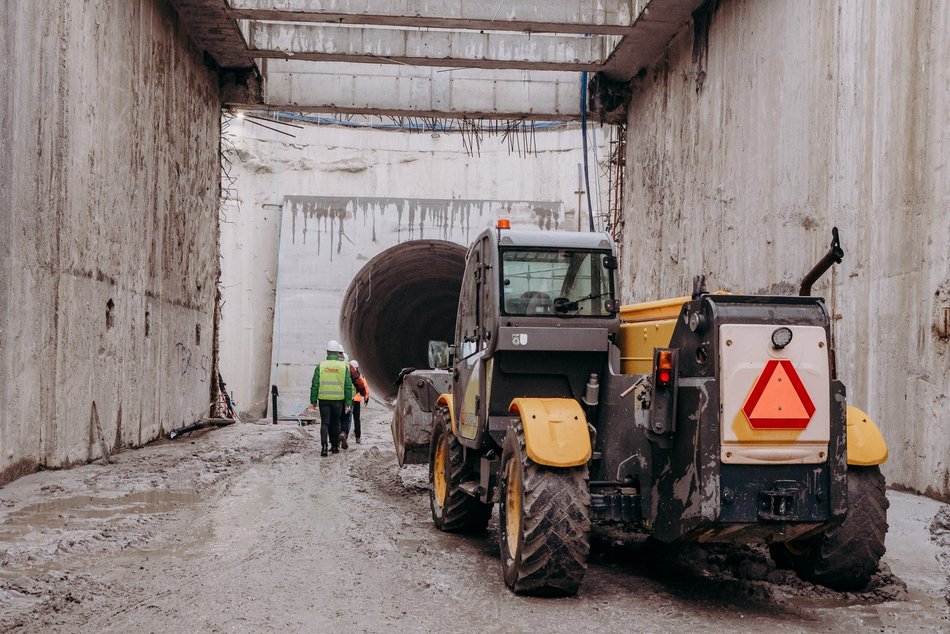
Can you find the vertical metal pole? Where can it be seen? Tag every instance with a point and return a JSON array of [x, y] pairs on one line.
[[273, 409], [580, 193]]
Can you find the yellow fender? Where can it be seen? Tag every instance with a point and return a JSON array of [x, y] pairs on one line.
[[866, 446], [555, 430], [446, 399]]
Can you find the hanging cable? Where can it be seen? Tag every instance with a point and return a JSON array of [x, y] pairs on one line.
[[590, 207]]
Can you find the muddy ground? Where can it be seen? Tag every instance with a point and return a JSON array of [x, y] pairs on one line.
[[247, 529]]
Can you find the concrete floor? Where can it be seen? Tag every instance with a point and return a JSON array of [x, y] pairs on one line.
[[246, 528]]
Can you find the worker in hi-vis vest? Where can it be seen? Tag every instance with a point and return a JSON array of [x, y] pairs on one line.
[[332, 392]]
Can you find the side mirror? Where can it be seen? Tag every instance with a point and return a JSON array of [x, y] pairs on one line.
[[438, 355]]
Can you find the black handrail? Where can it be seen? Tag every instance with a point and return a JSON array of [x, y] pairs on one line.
[[834, 256]]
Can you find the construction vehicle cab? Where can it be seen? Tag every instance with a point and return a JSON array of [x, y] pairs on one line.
[[517, 294], [709, 417]]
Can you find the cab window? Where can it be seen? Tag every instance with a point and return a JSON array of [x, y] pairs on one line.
[[556, 283]]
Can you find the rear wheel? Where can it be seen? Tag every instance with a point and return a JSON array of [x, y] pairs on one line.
[[543, 523], [844, 557], [453, 510]]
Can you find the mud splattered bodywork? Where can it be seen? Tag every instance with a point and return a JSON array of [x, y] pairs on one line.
[[412, 418], [678, 481]]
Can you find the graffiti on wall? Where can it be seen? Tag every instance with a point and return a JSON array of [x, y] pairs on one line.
[[187, 362]]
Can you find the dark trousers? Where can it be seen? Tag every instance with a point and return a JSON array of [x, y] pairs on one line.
[[356, 418], [345, 419], [353, 416], [330, 412]]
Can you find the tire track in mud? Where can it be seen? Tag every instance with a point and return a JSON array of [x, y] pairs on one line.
[[381, 470]]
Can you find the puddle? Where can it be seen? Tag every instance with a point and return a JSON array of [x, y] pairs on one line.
[[60, 513]]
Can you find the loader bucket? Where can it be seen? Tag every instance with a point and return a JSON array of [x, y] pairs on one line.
[[416, 404]]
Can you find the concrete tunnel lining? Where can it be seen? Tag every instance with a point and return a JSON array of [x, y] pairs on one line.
[[403, 298]]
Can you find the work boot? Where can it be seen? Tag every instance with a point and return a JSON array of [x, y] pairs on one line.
[[335, 450], [357, 440], [343, 442], [323, 451]]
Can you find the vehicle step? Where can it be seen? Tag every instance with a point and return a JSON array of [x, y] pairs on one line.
[[471, 488]]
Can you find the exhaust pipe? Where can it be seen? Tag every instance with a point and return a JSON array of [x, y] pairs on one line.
[[834, 255], [403, 298]]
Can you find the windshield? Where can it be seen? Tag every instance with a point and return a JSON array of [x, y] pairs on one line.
[[562, 282]]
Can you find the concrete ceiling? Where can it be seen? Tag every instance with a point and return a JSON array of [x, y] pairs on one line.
[[507, 59]]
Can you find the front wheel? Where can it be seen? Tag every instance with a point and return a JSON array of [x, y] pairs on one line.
[[844, 557], [453, 510], [543, 523]]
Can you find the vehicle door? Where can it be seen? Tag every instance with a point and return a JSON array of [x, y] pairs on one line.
[[471, 343]]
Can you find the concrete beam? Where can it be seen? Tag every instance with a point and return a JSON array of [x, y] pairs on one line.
[[550, 16], [397, 90], [656, 25], [468, 49], [214, 30]]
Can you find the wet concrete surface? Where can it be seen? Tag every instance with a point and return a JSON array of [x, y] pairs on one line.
[[247, 529]]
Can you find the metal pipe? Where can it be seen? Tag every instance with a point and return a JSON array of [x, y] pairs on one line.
[[403, 298], [834, 255]]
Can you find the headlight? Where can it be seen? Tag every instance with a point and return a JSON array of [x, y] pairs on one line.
[[781, 337]]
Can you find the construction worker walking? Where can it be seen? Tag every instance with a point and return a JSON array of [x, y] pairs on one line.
[[331, 391], [360, 393]]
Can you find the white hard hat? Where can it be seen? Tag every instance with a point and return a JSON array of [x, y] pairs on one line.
[[334, 346], [355, 363]]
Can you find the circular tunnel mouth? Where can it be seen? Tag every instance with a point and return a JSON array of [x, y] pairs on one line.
[[403, 298]]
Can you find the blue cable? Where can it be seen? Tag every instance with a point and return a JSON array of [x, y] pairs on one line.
[[590, 206]]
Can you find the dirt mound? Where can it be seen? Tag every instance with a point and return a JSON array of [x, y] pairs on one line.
[[940, 534], [380, 469], [737, 574]]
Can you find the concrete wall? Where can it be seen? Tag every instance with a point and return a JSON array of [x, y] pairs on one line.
[[342, 196], [109, 192], [750, 140]]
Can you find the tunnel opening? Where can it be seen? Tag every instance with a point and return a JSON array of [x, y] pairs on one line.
[[403, 298]]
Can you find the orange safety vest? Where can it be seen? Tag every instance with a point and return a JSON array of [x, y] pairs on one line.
[[357, 385]]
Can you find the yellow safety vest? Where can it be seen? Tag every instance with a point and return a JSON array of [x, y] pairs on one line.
[[332, 378]]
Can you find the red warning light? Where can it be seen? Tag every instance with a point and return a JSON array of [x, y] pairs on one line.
[[778, 399], [664, 367]]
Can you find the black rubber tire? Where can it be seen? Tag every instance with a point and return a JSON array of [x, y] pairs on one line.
[[845, 557], [459, 512], [553, 537]]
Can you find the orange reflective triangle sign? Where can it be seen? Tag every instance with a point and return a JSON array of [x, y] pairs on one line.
[[778, 399]]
